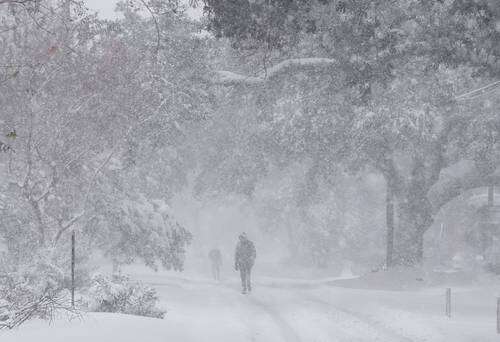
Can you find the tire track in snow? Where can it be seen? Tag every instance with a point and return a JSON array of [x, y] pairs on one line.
[[287, 332], [362, 318]]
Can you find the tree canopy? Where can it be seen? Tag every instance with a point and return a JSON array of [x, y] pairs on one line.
[[382, 93]]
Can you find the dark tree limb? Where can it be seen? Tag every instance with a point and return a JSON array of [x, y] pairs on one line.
[[454, 184]]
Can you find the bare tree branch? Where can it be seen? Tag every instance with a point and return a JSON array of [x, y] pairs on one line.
[[470, 95], [157, 26], [19, 2]]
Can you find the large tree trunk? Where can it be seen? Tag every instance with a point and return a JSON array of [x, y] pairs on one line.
[[414, 218], [409, 248], [419, 199]]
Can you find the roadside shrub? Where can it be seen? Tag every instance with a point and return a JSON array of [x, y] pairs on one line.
[[31, 291], [120, 294]]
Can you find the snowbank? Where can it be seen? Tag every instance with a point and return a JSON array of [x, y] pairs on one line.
[[290, 310], [409, 279]]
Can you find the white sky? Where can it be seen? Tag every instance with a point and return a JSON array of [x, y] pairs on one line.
[[106, 8]]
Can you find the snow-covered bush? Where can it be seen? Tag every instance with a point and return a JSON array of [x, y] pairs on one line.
[[120, 294], [31, 291], [25, 302]]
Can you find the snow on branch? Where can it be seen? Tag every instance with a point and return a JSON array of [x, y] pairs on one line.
[[225, 77], [19, 2], [470, 95]]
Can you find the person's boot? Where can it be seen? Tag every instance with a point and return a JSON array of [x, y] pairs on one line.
[[244, 291]]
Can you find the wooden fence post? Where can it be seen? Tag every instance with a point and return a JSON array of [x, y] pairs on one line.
[[390, 228], [73, 269], [498, 315], [448, 302]]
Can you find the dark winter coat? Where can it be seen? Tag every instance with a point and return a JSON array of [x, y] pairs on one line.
[[245, 254], [216, 256]]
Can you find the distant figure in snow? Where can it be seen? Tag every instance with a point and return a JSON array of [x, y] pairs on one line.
[[216, 259], [243, 261]]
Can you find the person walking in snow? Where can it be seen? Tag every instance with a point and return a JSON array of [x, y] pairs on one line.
[[216, 260], [243, 261]]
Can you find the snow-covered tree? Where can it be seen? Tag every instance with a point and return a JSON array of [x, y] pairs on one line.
[[96, 113], [374, 83]]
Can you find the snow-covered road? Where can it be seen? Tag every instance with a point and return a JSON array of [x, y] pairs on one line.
[[281, 310], [293, 310]]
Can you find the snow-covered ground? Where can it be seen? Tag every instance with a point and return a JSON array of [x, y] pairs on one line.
[[283, 309]]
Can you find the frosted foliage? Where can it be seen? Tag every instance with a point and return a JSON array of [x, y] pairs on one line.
[[78, 128], [120, 294], [35, 290], [350, 143]]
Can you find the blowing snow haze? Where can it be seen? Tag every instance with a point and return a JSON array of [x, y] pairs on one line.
[[236, 170]]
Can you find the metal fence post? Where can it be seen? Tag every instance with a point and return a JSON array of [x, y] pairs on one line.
[[498, 315], [448, 302], [73, 268]]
